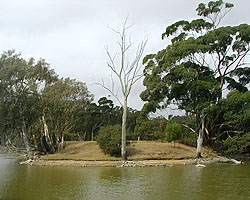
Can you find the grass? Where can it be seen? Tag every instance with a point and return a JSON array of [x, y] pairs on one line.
[[89, 151], [142, 150]]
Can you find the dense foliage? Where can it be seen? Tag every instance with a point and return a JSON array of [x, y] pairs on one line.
[[185, 126], [229, 123], [202, 60], [109, 139], [237, 144], [36, 106], [40, 111], [173, 131], [150, 129]]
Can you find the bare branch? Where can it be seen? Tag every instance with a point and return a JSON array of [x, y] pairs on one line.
[[110, 91], [190, 129], [115, 31], [128, 73], [239, 59]]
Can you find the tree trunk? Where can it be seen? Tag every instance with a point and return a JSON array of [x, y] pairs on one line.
[[62, 142], [200, 138], [92, 134], [26, 141], [57, 143], [47, 137], [124, 129], [2, 139], [2, 130]]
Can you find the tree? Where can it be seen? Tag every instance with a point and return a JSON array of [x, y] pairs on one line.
[[109, 139], [99, 115], [63, 100], [236, 111], [91, 121], [200, 62], [37, 106], [127, 73], [21, 84], [231, 117], [173, 131], [150, 129]]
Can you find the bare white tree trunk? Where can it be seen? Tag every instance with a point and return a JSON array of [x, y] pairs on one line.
[[200, 138], [46, 135], [92, 134], [57, 142], [124, 130], [128, 73], [26, 141], [62, 142]]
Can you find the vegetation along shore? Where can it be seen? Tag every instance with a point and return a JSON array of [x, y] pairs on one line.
[[203, 73], [141, 154]]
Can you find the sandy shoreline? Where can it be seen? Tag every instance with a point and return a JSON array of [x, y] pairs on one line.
[[208, 159], [141, 163]]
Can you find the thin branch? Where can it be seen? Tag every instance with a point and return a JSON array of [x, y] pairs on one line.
[[110, 91], [127, 73], [186, 126], [237, 65]]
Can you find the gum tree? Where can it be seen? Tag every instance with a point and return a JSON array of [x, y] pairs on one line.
[[21, 82], [202, 60], [63, 100], [127, 71]]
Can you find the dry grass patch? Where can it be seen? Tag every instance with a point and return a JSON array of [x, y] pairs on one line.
[[89, 151], [142, 150], [150, 150]]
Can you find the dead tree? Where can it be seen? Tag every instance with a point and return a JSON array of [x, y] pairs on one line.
[[127, 71]]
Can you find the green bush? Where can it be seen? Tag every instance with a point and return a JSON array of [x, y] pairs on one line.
[[69, 136], [237, 144], [109, 139], [173, 131], [188, 138], [153, 129]]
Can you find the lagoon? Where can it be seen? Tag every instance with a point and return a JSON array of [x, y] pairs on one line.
[[215, 181]]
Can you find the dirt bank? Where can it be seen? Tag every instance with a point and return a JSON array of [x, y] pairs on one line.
[[139, 163], [140, 154], [142, 150]]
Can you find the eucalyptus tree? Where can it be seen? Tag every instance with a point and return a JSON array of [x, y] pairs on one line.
[[88, 122], [102, 115], [127, 71], [232, 116], [95, 116], [21, 84], [235, 126], [63, 101], [150, 129], [200, 62]]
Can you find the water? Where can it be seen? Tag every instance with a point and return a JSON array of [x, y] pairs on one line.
[[216, 181]]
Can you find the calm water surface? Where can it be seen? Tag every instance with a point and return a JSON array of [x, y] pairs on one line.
[[215, 181]]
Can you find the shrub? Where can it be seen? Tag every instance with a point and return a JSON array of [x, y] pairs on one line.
[[188, 138], [237, 144], [153, 129], [69, 136], [109, 139], [173, 131]]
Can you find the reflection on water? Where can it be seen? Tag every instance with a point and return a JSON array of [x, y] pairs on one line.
[[220, 181]]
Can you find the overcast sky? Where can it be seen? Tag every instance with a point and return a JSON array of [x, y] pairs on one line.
[[71, 34]]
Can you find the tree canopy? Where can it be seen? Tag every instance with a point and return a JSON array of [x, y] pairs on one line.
[[202, 60], [39, 111]]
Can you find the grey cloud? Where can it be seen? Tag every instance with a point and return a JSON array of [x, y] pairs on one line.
[[71, 34]]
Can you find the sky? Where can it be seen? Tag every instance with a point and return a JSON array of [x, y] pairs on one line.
[[71, 35]]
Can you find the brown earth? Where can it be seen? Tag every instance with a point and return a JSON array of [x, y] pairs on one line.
[[142, 153], [142, 150]]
